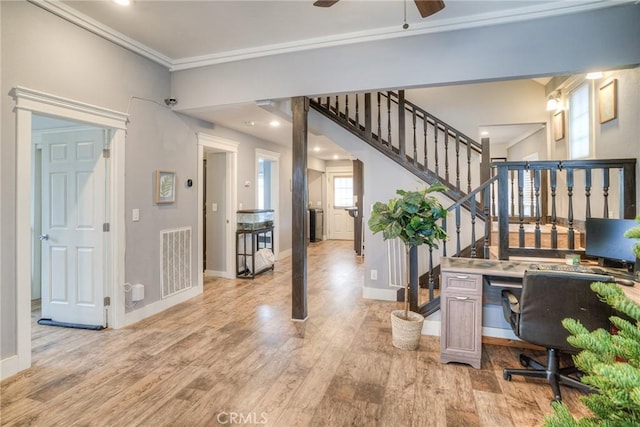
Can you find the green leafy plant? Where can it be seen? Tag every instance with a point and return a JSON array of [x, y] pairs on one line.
[[413, 218], [634, 233], [611, 363]]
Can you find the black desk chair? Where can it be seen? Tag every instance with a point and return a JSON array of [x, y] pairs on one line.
[[547, 298]]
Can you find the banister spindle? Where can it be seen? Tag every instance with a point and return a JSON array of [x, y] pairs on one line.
[[605, 191], [587, 191], [458, 243], [389, 119], [536, 187], [446, 154], [337, 107], [570, 232], [402, 140], [554, 218], [457, 161], [379, 120], [521, 207], [512, 211], [469, 167], [436, 131], [424, 131], [346, 108], [473, 227], [357, 113], [415, 138]]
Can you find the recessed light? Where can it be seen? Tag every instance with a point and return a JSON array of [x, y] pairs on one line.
[[274, 123], [484, 133], [336, 157], [594, 75], [316, 149], [122, 2]]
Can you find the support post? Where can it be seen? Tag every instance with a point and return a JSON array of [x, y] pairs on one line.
[[300, 111]]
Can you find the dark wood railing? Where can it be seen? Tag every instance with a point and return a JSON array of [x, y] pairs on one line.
[[418, 141]]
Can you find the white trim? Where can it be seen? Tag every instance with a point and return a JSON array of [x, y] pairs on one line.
[[72, 15], [275, 189], [9, 367], [214, 273], [425, 27], [159, 306], [383, 294], [29, 102], [284, 254], [231, 148]]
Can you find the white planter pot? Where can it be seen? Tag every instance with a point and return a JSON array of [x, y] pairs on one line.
[[405, 333]]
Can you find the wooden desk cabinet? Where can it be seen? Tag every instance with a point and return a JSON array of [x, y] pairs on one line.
[[461, 323]]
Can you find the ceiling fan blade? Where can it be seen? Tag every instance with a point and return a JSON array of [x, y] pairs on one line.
[[325, 3], [428, 7]]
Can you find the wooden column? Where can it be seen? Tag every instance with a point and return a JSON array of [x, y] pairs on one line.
[[299, 204], [358, 191]]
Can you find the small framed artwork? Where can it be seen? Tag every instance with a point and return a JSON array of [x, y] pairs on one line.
[[558, 126], [165, 187], [608, 101]]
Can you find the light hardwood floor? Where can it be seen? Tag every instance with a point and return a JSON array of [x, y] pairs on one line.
[[233, 356]]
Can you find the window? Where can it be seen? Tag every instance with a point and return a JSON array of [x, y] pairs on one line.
[[579, 135], [342, 191]]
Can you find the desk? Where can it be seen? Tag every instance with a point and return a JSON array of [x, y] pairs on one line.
[[461, 302]]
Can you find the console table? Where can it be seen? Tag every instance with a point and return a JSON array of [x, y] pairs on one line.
[[462, 285]]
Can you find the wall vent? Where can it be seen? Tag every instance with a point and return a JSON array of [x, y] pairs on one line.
[[175, 260]]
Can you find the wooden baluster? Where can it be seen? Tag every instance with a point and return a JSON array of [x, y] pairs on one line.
[[487, 194], [435, 150], [402, 141], [531, 199], [367, 117], [424, 131], [432, 283], [357, 113], [521, 208], [554, 218], [328, 104], [587, 191], [605, 191], [379, 120], [346, 108], [468, 167], [473, 227], [570, 232], [415, 138], [458, 162], [446, 155], [512, 211], [493, 194], [444, 228], [389, 119], [337, 107], [458, 243], [536, 188]]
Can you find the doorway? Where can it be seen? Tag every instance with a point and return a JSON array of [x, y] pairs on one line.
[[340, 196], [217, 201], [27, 104], [268, 186]]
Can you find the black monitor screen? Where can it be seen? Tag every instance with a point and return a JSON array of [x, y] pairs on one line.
[[605, 239]]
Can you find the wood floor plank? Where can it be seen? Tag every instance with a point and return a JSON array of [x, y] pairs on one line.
[[234, 351]]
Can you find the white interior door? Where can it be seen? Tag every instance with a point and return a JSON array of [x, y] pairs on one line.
[[73, 213], [340, 198]]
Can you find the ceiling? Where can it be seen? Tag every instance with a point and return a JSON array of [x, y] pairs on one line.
[[184, 34]]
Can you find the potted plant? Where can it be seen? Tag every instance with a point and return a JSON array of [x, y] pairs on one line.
[[413, 218], [634, 233]]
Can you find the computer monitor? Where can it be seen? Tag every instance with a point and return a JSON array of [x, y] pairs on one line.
[[605, 240]]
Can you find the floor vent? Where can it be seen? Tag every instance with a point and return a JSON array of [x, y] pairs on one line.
[[175, 260], [396, 256]]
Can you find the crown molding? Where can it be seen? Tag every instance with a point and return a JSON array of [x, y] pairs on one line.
[[544, 10], [70, 14]]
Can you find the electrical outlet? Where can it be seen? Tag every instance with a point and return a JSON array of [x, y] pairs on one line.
[[374, 274]]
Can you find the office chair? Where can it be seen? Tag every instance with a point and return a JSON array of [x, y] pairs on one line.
[[547, 298]]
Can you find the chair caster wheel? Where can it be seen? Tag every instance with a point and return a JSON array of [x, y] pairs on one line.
[[523, 360], [506, 376]]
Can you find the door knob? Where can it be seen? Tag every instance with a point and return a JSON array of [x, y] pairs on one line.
[[44, 237]]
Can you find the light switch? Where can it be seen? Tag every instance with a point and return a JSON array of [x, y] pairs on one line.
[[135, 215], [214, 207]]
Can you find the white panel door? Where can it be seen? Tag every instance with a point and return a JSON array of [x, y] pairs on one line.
[[73, 212], [340, 223]]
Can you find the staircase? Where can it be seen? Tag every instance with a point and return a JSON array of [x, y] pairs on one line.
[[524, 198]]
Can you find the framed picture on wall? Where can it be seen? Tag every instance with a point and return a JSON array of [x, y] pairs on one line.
[[558, 126], [165, 187], [608, 101]]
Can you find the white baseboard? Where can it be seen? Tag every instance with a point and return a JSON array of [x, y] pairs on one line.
[[216, 273], [159, 306], [384, 294], [284, 254], [9, 367]]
